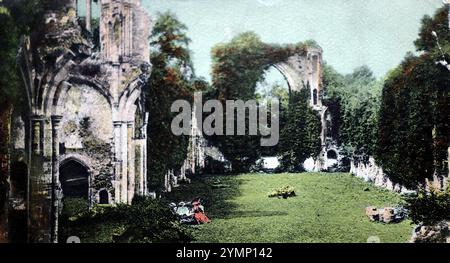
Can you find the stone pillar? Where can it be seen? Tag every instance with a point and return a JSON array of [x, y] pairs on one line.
[[142, 172], [137, 167], [144, 154], [118, 162], [39, 196], [56, 185], [88, 15], [124, 159], [323, 120], [36, 135], [130, 164]]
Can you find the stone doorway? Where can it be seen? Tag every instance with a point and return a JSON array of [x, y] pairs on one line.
[[74, 178]]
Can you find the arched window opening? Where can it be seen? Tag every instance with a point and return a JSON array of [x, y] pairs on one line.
[[331, 154], [315, 96], [104, 197]]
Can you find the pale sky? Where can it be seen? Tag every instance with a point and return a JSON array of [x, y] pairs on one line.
[[352, 33]]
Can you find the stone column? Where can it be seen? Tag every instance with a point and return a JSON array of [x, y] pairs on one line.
[[118, 162], [144, 154], [130, 163], [56, 185], [88, 15], [124, 159], [140, 163], [39, 197], [36, 135]]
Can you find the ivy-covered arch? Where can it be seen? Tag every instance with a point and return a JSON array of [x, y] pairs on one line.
[[239, 65]]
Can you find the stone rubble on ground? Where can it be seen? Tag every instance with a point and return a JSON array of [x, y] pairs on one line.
[[386, 215], [438, 233]]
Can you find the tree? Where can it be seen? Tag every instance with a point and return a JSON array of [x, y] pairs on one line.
[[353, 102], [413, 132], [171, 79]]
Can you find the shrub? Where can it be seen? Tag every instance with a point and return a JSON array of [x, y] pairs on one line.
[[285, 192], [150, 221], [429, 207], [145, 221], [74, 206]]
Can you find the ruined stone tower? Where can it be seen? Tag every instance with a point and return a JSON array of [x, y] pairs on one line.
[[84, 133]]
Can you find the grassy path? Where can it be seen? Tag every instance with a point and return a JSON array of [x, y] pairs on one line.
[[327, 208]]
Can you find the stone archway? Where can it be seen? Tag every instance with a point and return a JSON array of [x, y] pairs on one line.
[[332, 154], [74, 178], [304, 70], [333, 159]]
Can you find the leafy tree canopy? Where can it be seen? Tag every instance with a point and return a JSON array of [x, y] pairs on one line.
[[353, 102]]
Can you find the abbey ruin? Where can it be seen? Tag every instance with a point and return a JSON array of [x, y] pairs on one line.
[[84, 133]]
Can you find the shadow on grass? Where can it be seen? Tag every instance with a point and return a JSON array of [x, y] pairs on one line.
[[216, 191], [243, 214]]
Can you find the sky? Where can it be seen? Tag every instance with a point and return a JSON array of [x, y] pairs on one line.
[[376, 33]]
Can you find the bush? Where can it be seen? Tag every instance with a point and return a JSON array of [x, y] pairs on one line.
[[285, 192], [429, 207], [74, 206], [145, 221]]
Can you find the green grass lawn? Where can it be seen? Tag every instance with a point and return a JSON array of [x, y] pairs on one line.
[[327, 208]]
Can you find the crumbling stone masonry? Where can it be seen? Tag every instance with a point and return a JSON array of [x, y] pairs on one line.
[[84, 135]]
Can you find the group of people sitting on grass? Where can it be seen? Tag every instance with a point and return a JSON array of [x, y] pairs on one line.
[[191, 213]]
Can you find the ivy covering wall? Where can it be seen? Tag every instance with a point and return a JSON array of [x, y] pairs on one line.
[[238, 66], [414, 132]]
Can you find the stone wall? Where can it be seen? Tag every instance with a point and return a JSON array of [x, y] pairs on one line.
[[371, 172]]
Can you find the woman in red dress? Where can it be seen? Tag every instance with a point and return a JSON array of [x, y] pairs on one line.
[[199, 214]]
